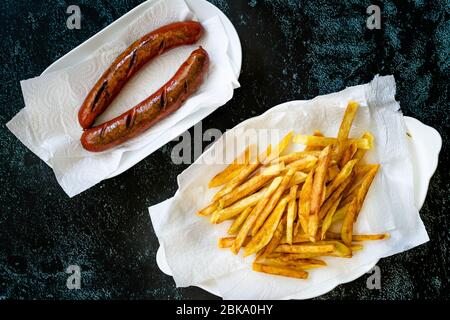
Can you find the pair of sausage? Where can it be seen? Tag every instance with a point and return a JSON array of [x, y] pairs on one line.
[[160, 104]]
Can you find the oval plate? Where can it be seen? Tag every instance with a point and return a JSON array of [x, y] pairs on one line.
[[425, 144]]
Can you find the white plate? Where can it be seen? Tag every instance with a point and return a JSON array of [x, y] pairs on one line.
[[203, 10], [425, 145]]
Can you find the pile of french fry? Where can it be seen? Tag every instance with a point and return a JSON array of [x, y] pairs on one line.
[[283, 206]]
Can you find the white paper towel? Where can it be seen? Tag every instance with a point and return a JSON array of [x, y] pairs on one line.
[[48, 125], [190, 241]]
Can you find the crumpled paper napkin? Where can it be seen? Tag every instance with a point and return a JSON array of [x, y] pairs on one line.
[[48, 125], [190, 241]]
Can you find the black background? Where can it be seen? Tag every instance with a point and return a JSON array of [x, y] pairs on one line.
[[291, 50]]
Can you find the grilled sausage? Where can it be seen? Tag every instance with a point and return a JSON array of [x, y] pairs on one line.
[[156, 107], [130, 61]]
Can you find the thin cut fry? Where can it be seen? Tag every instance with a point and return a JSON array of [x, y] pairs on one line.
[[248, 224], [306, 248], [316, 133], [331, 200], [209, 209], [272, 202], [302, 264], [265, 234], [295, 256], [273, 169], [348, 154], [320, 174], [340, 249], [357, 181], [232, 169], [304, 203], [365, 188], [291, 213], [278, 150], [281, 271], [347, 225], [236, 225], [329, 218], [275, 241], [361, 152], [319, 180], [233, 210], [340, 213], [253, 184], [344, 129], [291, 157], [298, 238], [359, 237], [301, 164], [227, 242], [326, 141], [297, 178], [340, 178], [333, 171], [243, 174]]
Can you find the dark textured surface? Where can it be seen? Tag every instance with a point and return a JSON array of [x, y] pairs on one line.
[[291, 50]]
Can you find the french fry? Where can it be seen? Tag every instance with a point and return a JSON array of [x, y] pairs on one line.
[[232, 169], [333, 171], [359, 237], [314, 141], [278, 150], [320, 174], [361, 173], [250, 221], [306, 248], [298, 238], [251, 185], [297, 178], [344, 129], [316, 133], [340, 249], [272, 202], [331, 200], [294, 256], [326, 223], [275, 241], [233, 210], [364, 189], [347, 224], [227, 242], [304, 203], [236, 225], [361, 152], [361, 170], [272, 170], [341, 177], [348, 154], [209, 209], [356, 247], [340, 213], [281, 271], [243, 174], [319, 180], [291, 213], [303, 264], [265, 234], [301, 164], [291, 157], [361, 190]]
